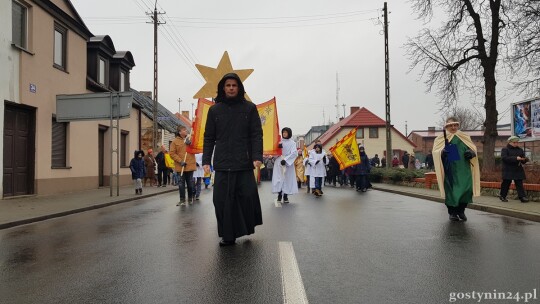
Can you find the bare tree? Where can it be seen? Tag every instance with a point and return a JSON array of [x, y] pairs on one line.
[[525, 59], [463, 54], [468, 119]]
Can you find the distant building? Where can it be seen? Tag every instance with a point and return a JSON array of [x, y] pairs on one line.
[[371, 134], [314, 133]]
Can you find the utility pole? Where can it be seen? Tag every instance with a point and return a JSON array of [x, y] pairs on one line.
[[406, 133], [389, 151], [179, 108], [337, 98], [156, 22], [343, 105]]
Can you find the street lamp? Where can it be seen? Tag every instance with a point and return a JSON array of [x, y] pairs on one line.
[[179, 102]]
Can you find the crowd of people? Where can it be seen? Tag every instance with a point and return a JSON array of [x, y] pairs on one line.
[[233, 152]]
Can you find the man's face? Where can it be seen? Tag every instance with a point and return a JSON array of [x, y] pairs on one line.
[[514, 143], [452, 127], [183, 132], [231, 88]]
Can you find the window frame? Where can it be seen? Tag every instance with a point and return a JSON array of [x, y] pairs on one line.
[[124, 144], [122, 86], [63, 31], [360, 130], [24, 24], [376, 132], [105, 70]]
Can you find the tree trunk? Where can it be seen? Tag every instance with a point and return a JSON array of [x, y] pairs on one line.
[[490, 124]]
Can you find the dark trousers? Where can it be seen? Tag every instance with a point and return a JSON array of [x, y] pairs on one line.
[[163, 176], [318, 182], [460, 209], [198, 182], [186, 179], [361, 182], [505, 185]]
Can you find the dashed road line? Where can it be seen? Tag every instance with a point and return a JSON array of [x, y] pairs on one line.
[[291, 280]]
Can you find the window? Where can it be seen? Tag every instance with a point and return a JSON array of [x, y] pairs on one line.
[[59, 144], [60, 39], [373, 132], [360, 133], [19, 24], [123, 148], [102, 71], [122, 81]]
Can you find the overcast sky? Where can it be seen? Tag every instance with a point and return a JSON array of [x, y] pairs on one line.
[[295, 47]]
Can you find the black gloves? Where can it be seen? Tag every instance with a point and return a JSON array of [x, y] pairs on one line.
[[317, 162], [188, 141], [324, 159], [280, 145], [197, 164], [283, 162], [469, 154], [309, 163], [183, 164]]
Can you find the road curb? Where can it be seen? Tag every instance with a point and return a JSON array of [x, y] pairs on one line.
[[475, 206], [78, 210]]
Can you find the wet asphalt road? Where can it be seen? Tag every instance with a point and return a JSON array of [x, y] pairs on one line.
[[351, 247]]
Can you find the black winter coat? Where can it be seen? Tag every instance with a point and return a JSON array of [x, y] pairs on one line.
[[233, 127], [512, 168]]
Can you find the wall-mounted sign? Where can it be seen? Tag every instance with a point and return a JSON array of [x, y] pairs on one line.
[[526, 119], [33, 88]]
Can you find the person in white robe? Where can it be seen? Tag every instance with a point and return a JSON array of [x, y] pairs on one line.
[[198, 175], [284, 174], [311, 181], [317, 161]]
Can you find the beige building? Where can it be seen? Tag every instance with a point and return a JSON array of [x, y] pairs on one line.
[[58, 55], [371, 134]]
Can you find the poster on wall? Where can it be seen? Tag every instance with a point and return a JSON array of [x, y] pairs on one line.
[[526, 119]]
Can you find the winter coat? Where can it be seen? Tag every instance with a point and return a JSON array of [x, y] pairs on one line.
[[233, 128], [150, 164], [512, 169], [178, 154], [364, 166], [136, 165], [160, 160]]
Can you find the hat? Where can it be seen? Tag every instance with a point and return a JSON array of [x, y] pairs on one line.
[[513, 138]]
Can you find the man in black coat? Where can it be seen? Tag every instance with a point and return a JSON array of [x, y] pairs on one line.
[[233, 128], [513, 158], [405, 160]]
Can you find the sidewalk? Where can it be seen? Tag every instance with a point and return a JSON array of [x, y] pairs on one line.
[[514, 208], [25, 210]]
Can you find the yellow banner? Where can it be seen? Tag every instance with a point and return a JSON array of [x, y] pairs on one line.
[[269, 122], [346, 151]]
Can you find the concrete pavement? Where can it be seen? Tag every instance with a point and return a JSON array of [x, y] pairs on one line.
[[24, 210]]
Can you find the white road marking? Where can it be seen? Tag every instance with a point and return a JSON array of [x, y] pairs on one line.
[[277, 203], [291, 280]]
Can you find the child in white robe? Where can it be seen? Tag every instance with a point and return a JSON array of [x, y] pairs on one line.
[[284, 174], [317, 161]]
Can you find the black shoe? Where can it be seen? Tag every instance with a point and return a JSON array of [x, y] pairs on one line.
[[279, 198], [503, 199], [226, 243], [454, 218], [140, 191], [523, 199], [462, 216], [285, 199]]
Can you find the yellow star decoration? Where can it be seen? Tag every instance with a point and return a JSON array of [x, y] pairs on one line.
[[213, 76]]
